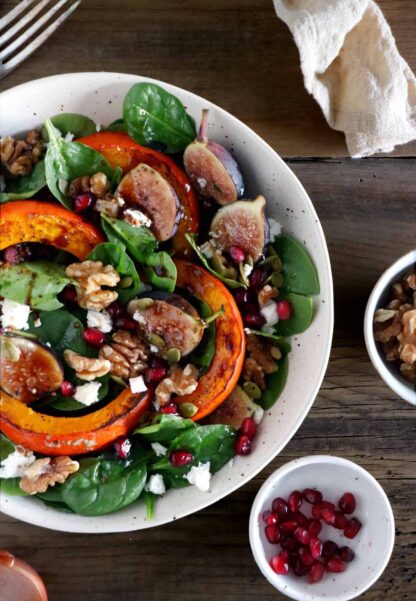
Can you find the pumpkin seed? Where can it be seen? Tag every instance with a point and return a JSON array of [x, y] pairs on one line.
[[126, 282], [173, 355], [144, 303], [252, 390], [156, 340], [276, 279], [187, 409]]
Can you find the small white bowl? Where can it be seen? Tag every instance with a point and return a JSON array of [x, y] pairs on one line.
[[379, 298], [373, 545]]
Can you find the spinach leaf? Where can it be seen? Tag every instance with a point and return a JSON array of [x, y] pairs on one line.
[[25, 186], [71, 123], [62, 331], [275, 384], [65, 161], [230, 283], [116, 177], [113, 254], [103, 485], [299, 272], [204, 353], [301, 319], [279, 341], [149, 499], [139, 241], [6, 447], [117, 125], [160, 270], [10, 486], [164, 428], [35, 283], [152, 114]]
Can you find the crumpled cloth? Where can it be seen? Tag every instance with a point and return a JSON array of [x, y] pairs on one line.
[[353, 69]]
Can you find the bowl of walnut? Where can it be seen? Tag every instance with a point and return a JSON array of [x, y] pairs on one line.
[[390, 327]]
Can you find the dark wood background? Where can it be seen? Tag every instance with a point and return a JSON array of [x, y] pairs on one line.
[[238, 54]]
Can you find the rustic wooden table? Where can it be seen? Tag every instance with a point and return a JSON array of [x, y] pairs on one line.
[[239, 55]]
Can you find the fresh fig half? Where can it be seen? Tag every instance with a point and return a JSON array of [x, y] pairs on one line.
[[234, 409], [212, 169], [171, 323], [28, 369], [242, 224], [145, 189]]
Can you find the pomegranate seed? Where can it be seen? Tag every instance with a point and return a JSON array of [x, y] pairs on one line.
[[288, 526], [335, 565], [299, 568], [172, 408], [93, 337], [126, 323], [347, 503], [312, 496], [251, 307], [272, 533], [254, 320], [294, 501], [83, 202], [328, 515], [305, 556], [122, 447], [237, 254], [257, 278], [242, 297], [70, 294], [314, 528], [16, 254], [242, 445], [346, 554], [340, 521], [156, 372], [280, 507], [248, 427], [315, 546], [289, 543], [270, 518], [284, 309], [353, 528], [301, 519], [316, 572], [317, 509], [280, 563], [180, 458], [116, 309], [302, 535], [67, 388], [329, 548]]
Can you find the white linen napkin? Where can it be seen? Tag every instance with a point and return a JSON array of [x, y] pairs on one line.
[[351, 66]]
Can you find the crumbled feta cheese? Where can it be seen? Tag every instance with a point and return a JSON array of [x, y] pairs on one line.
[[207, 249], [101, 320], [15, 464], [258, 415], [187, 187], [153, 349], [268, 330], [15, 315], [247, 330], [136, 218], [159, 449], [69, 137], [156, 485], [120, 200], [137, 385], [230, 464], [98, 127], [269, 312], [200, 476], [37, 323], [87, 394], [247, 269], [156, 406], [275, 229], [202, 182], [139, 317]]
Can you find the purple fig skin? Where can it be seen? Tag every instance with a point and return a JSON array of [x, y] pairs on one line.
[[241, 224]]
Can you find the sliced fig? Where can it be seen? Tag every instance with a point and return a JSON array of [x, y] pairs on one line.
[[171, 323], [146, 189], [212, 169], [28, 369], [243, 225], [234, 409]]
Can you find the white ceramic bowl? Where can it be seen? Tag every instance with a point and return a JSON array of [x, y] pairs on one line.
[[100, 96], [373, 545], [379, 298]]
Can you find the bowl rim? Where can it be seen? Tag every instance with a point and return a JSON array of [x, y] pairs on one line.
[[403, 389], [49, 519], [254, 530]]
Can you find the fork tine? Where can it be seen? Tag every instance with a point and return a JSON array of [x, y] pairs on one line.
[[15, 12], [21, 56], [9, 33], [26, 35]]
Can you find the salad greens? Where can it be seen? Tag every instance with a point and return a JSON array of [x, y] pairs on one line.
[[72, 124], [61, 330], [25, 186], [191, 238]]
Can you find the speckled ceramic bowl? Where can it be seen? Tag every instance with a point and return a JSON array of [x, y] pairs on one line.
[[100, 96]]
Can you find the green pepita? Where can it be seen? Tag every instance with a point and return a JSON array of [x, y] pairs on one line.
[[156, 340], [144, 303], [187, 409], [275, 352], [126, 282], [8, 350], [276, 279], [252, 390], [173, 355]]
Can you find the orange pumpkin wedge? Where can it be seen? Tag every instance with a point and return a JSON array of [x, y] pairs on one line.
[[222, 376]]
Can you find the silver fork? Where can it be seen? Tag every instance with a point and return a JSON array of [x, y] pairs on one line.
[[20, 32]]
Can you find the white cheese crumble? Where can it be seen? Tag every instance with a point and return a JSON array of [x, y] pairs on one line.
[[100, 320], [269, 312], [136, 218], [156, 485], [159, 449], [69, 137], [137, 385], [153, 349], [258, 415], [120, 200], [139, 317], [15, 315], [15, 464], [275, 229], [268, 330], [200, 476], [87, 394], [247, 269], [98, 127], [37, 323], [202, 182], [187, 187]]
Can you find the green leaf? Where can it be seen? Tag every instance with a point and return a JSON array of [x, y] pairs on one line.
[[279, 341], [65, 161], [10, 486], [302, 315], [71, 123], [275, 384], [160, 270], [153, 115], [116, 177], [35, 283], [204, 353], [6, 447], [149, 499], [113, 254], [25, 186], [230, 283], [299, 272], [61, 330], [139, 241], [117, 125], [164, 428]]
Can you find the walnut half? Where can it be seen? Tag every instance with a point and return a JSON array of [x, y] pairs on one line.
[[87, 368], [46, 472], [127, 354], [91, 276], [180, 381]]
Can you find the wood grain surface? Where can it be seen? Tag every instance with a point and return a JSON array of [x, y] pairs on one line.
[[239, 55]]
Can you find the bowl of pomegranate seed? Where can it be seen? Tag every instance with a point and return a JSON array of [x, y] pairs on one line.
[[321, 528]]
